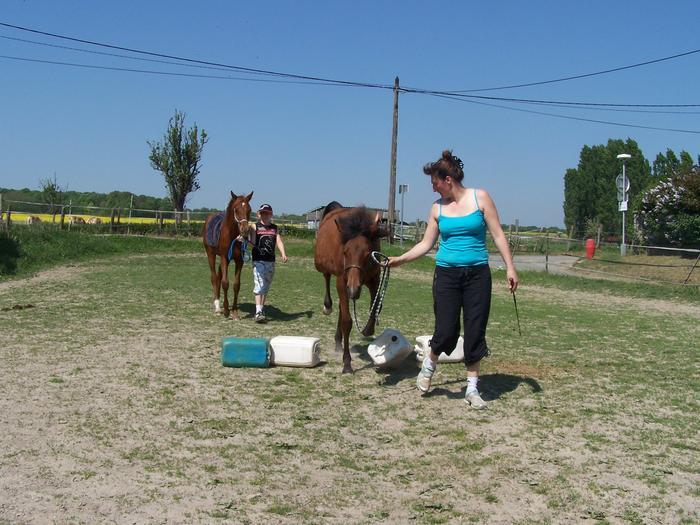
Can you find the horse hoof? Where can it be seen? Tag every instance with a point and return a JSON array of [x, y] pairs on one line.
[[347, 369], [327, 311]]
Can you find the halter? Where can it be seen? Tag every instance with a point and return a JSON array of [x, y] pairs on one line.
[[235, 217]]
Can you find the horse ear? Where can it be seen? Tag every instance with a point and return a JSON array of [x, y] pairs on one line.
[[234, 196], [337, 224], [250, 196]]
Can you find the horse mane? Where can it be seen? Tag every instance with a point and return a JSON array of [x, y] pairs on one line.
[[357, 222], [333, 205]]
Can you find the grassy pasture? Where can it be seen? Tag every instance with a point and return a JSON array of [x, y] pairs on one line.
[[115, 407]]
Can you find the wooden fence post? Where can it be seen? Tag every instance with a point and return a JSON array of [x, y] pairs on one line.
[[9, 219], [63, 217], [598, 236], [571, 234], [546, 253], [691, 270], [111, 221]]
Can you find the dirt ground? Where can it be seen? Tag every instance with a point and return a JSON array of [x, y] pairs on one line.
[[114, 409]]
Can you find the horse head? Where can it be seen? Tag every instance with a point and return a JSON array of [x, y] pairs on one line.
[[238, 211], [360, 235]]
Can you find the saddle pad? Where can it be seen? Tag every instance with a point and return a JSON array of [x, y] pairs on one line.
[[214, 230]]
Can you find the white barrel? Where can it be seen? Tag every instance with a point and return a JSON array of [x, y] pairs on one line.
[[423, 347], [295, 351], [389, 349]]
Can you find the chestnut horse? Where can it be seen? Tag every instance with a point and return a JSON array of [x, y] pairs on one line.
[[219, 233], [346, 238]]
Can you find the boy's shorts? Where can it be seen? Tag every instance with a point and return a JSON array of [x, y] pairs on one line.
[[262, 276]]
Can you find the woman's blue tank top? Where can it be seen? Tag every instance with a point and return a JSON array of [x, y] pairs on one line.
[[462, 239]]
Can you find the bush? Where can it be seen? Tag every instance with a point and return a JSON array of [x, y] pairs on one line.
[[669, 214]]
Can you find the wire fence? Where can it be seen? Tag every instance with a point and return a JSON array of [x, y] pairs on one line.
[[658, 264], [118, 219]]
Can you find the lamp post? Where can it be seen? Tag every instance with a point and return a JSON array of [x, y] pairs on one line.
[[623, 186], [403, 189]]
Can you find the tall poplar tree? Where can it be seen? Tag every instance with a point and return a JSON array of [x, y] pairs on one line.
[[179, 158]]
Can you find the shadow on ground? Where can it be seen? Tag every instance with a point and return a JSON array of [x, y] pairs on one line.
[[273, 313]]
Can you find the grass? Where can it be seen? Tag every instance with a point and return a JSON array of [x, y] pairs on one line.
[[593, 410]]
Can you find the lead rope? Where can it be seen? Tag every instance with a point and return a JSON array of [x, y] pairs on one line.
[[376, 306]]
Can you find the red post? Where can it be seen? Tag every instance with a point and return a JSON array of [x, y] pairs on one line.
[[590, 248]]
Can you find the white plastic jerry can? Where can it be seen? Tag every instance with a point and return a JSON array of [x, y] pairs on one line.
[[295, 351], [423, 347], [389, 349]]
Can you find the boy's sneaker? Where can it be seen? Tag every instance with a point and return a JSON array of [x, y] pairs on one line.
[[425, 375], [260, 317], [474, 399]]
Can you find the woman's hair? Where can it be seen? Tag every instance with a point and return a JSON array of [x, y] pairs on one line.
[[446, 165]]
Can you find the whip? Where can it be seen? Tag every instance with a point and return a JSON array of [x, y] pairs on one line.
[[515, 303]]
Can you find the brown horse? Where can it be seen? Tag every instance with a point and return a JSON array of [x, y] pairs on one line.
[[219, 233], [345, 240]]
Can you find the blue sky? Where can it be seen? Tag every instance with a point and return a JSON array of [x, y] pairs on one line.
[[298, 145]]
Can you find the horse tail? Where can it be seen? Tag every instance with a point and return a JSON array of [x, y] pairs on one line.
[[333, 205]]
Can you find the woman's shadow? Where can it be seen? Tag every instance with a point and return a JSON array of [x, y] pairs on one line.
[[491, 386]]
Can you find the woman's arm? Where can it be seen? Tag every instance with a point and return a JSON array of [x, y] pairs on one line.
[[499, 238], [427, 242], [280, 246]]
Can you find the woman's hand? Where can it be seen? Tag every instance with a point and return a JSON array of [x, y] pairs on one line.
[[512, 280], [393, 262]]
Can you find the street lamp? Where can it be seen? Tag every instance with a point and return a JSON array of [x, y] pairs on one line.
[[623, 186], [403, 189]]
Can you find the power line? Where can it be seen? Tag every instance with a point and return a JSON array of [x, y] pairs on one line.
[[568, 117], [585, 75], [103, 53], [168, 73], [196, 61], [535, 101]]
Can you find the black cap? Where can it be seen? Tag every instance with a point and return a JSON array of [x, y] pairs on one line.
[[265, 207]]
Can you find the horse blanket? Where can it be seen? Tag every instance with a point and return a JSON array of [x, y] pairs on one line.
[[213, 235]]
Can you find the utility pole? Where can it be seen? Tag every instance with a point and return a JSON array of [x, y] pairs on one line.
[[392, 168]]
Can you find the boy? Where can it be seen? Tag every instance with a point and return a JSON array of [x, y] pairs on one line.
[[264, 239]]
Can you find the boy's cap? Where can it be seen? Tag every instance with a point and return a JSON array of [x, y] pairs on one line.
[[265, 207]]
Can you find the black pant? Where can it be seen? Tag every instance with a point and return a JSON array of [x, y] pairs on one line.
[[467, 289]]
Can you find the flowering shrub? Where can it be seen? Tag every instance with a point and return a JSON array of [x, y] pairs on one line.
[[669, 214]]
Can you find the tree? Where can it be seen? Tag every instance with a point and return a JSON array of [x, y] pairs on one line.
[[51, 194], [590, 195], [179, 158]]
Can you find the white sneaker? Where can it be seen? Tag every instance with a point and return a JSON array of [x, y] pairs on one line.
[[473, 398], [425, 375]]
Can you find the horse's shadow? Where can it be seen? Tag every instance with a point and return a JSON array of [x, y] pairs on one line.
[[273, 313]]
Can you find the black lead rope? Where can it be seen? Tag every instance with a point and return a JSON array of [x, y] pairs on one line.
[[376, 306]]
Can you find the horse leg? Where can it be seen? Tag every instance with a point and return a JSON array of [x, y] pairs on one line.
[[344, 323], [327, 301], [236, 287], [373, 285], [223, 269], [215, 281]]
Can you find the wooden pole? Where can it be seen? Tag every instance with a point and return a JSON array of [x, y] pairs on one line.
[[546, 254], [599, 235], [9, 219], [693, 268], [63, 216], [571, 234], [392, 166]]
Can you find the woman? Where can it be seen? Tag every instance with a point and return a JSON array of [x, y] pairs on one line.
[[462, 279]]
